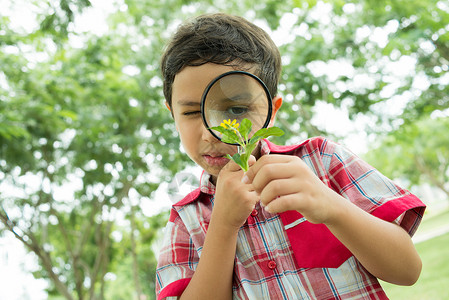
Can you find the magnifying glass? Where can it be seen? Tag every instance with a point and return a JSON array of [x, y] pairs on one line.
[[236, 95]]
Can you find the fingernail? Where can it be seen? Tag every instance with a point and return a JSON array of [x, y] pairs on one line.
[[267, 208], [245, 179]]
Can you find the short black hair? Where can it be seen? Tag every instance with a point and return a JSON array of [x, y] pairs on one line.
[[221, 39]]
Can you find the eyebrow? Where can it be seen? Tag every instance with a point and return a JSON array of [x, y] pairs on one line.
[[188, 103], [241, 96]]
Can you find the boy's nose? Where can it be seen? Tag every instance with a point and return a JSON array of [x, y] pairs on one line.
[[207, 136]]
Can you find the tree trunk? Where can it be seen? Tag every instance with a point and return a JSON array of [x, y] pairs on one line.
[[134, 255], [428, 172], [34, 246]]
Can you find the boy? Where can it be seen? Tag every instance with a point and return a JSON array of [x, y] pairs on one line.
[[308, 221]]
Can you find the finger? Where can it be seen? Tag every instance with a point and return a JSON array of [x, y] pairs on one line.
[[278, 188], [253, 196], [264, 160], [281, 204], [271, 172], [251, 160]]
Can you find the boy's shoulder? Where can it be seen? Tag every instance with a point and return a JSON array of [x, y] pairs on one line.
[[188, 199], [192, 196], [312, 143]]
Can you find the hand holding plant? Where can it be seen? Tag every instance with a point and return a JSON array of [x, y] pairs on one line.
[[235, 133]]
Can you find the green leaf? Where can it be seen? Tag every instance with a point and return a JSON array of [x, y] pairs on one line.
[[245, 157], [245, 128], [266, 132], [238, 159], [229, 136], [251, 146], [220, 129]]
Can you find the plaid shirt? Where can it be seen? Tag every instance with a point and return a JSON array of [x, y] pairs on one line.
[[282, 256]]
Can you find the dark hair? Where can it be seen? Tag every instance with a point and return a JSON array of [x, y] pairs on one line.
[[221, 39]]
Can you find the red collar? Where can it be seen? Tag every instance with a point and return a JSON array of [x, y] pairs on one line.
[[283, 149]]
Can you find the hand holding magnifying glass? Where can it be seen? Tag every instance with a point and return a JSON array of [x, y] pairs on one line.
[[236, 108]]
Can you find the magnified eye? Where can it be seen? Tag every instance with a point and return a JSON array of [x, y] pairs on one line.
[[237, 110]]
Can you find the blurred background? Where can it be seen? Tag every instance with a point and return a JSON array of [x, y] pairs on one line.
[[89, 153]]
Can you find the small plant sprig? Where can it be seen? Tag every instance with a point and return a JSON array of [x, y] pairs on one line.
[[235, 133]]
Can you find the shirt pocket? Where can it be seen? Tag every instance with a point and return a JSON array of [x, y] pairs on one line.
[[313, 245]]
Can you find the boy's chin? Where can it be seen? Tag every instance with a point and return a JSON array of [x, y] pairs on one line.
[[213, 171]]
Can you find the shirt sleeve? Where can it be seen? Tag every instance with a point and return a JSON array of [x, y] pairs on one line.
[[367, 188], [177, 259]]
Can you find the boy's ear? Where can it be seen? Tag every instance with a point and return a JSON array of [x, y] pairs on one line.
[[168, 106], [277, 103]]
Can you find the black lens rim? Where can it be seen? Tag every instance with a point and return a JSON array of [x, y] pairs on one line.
[[209, 86]]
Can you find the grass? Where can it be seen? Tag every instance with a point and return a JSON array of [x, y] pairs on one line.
[[433, 283], [434, 221]]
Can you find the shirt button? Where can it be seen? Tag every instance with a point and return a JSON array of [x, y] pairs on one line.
[[272, 265], [254, 213]]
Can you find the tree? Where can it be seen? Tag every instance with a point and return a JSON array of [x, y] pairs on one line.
[[83, 139], [380, 55], [418, 153]]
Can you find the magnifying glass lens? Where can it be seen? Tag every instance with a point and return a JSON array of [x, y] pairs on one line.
[[235, 96]]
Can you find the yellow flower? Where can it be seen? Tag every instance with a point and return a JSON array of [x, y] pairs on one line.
[[227, 124]]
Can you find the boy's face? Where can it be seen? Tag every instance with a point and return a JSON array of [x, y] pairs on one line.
[[199, 144]]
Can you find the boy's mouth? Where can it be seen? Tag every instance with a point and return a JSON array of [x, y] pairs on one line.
[[215, 160]]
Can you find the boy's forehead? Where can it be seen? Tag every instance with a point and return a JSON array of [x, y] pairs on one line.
[[190, 83]]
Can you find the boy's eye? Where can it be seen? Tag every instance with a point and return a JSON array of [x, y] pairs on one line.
[[237, 110], [191, 113]]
